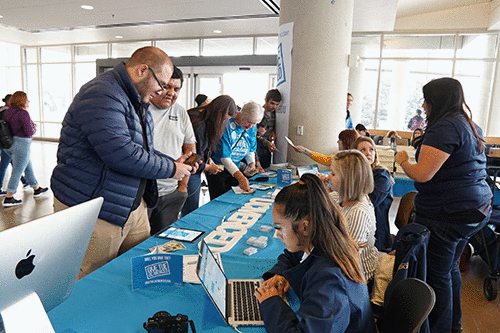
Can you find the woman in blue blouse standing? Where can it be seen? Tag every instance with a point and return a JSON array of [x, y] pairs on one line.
[[453, 199]]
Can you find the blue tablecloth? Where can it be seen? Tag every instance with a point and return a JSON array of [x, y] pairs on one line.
[[104, 301]]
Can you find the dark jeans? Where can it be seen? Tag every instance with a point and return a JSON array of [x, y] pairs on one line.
[[264, 156], [446, 244], [193, 199], [166, 210], [220, 183]]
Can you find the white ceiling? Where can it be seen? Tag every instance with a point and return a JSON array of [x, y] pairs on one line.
[[35, 22]]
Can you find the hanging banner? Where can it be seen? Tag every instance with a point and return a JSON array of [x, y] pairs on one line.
[[283, 77]]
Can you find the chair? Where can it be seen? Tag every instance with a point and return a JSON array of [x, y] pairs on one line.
[[405, 210], [410, 303]]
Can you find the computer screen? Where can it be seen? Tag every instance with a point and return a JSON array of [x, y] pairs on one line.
[[42, 258]]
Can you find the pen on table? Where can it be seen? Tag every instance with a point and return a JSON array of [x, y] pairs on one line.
[[224, 218], [192, 262], [235, 209]]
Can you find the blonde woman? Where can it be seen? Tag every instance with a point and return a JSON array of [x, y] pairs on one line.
[[351, 179], [381, 197]]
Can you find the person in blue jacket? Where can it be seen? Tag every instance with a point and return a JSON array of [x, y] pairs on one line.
[[382, 196], [453, 199], [106, 150], [321, 264]]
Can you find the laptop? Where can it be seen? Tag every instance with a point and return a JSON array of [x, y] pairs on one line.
[[313, 168], [234, 299]]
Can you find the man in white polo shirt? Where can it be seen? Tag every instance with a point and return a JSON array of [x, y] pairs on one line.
[[173, 136]]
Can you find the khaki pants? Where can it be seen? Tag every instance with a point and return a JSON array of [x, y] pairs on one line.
[[109, 241]]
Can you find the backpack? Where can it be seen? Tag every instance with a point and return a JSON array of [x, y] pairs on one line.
[[5, 135]]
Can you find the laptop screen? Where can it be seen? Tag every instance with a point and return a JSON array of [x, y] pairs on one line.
[[307, 169], [212, 277]]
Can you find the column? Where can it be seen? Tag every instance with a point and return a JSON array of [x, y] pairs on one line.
[[318, 92]]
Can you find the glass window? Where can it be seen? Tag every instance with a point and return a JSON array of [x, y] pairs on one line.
[[365, 46], [210, 86], [30, 55], [10, 80], [56, 91], [227, 46], [401, 85], [476, 78], [83, 74], [51, 130], [55, 54], [476, 46], [9, 55], [246, 87], [178, 48], [267, 45], [369, 93], [32, 91], [125, 50], [91, 52], [419, 46]]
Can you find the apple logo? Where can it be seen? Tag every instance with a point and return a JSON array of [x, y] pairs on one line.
[[25, 266]]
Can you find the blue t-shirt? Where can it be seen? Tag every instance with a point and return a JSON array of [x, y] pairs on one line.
[[460, 184], [235, 143]]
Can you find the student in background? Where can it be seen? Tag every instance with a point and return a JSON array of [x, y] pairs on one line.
[[208, 123], [321, 264], [361, 129], [351, 180], [382, 196], [201, 100], [23, 129], [265, 142], [348, 119], [238, 142]]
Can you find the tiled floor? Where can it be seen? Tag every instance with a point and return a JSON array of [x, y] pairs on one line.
[[479, 315]]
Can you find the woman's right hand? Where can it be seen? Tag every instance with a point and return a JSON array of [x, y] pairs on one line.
[[279, 282], [303, 150], [242, 181]]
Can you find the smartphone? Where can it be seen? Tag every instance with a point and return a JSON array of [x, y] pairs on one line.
[[193, 159]]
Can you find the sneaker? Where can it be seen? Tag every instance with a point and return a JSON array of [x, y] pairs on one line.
[[26, 185], [3, 193], [40, 191], [8, 202]]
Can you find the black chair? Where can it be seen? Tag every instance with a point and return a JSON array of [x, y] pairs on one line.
[[406, 210], [409, 305]]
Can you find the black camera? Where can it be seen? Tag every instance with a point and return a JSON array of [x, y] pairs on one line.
[[163, 322]]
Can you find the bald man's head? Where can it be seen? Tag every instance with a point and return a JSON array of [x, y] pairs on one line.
[[146, 63]]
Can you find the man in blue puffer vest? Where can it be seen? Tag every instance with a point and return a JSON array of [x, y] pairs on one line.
[[106, 150]]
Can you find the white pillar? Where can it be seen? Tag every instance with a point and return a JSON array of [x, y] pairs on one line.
[[318, 93], [356, 74]]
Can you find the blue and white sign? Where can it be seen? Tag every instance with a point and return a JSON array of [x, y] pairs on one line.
[[156, 268], [283, 76]]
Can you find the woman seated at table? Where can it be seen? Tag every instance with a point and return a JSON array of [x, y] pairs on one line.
[[346, 139], [321, 264], [392, 134], [381, 197], [238, 142], [208, 121], [351, 180]]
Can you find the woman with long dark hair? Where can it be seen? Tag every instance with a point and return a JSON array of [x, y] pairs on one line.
[[453, 199], [208, 123], [321, 264]]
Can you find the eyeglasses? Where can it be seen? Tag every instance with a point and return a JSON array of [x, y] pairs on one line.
[[156, 78]]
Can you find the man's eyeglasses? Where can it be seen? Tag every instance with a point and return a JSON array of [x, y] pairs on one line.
[[156, 78]]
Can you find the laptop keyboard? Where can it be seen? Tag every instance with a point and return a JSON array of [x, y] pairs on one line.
[[246, 305]]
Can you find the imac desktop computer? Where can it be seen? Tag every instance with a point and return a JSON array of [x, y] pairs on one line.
[[39, 264]]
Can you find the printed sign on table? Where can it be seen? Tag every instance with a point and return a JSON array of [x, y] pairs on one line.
[[156, 268]]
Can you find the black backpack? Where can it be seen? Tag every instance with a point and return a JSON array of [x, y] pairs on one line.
[[5, 135]]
